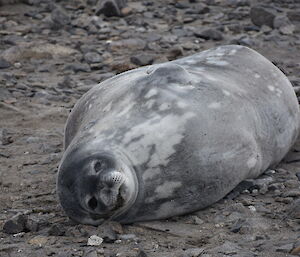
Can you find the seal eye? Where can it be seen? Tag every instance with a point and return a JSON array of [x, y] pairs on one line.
[[99, 166]]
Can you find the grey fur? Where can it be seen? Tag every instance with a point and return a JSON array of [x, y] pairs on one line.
[[187, 132]]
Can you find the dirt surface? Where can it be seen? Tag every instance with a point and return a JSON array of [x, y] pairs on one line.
[[52, 52]]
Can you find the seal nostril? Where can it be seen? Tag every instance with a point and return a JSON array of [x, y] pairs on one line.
[[92, 203]]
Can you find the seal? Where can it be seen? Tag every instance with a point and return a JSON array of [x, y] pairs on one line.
[[172, 138]]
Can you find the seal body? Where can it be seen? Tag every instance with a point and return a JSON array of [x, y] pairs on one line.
[[179, 136]]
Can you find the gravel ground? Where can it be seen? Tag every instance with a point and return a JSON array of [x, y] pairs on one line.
[[51, 52]]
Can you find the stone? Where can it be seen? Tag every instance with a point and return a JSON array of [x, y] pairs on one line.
[[193, 252], [4, 64], [236, 227], [5, 139], [298, 175], [209, 34], [142, 59], [77, 67], [293, 15], [59, 17], [286, 248], [56, 230], [296, 251], [127, 237], [38, 241], [141, 254], [261, 15], [16, 224], [36, 50], [94, 240], [129, 44], [92, 57]]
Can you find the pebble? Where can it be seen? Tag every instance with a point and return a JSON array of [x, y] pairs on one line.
[[78, 67], [38, 241], [209, 34], [59, 17], [94, 240], [92, 57], [286, 248], [16, 224], [4, 64], [141, 253], [261, 15], [56, 230], [5, 139], [127, 237], [142, 59]]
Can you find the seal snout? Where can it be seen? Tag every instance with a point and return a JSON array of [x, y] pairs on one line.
[[109, 194]]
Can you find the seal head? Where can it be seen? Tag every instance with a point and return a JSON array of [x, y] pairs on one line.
[[94, 186]]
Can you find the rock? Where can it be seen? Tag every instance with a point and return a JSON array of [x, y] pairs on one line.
[[192, 252], [142, 59], [286, 248], [36, 50], [237, 226], [32, 224], [77, 67], [209, 34], [284, 25], [4, 64], [38, 241], [296, 251], [5, 139], [141, 254], [298, 175], [90, 253], [94, 240], [292, 193], [175, 52], [261, 15], [293, 210], [129, 44], [16, 224], [56, 230], [110, 8], [92, 57], [287, 30], [59, 17], [294, 15], [127, 237]]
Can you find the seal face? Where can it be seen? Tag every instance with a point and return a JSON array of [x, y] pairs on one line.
[[172, 138], [95, 187]]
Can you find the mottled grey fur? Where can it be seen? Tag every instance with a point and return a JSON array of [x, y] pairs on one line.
[[189, 130]]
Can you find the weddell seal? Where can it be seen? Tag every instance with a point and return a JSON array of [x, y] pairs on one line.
[[172, 138]]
